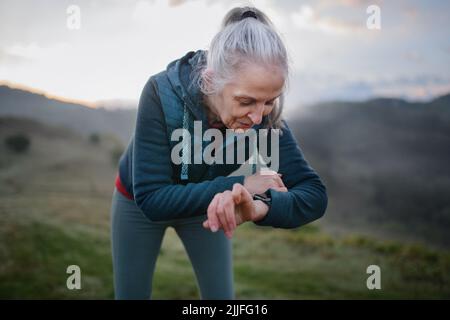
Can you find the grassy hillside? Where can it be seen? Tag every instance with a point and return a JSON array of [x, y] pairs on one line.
[[385, 163], [54, 212], [77, 117]]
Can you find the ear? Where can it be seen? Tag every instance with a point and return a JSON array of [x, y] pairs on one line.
[[208, 75]]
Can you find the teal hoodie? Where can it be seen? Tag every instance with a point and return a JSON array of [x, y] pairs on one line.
[[166, 191]]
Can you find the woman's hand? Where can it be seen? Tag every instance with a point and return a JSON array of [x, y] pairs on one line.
[[229, 209], [262, 181]]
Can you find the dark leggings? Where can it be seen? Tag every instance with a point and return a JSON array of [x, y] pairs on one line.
[[136, 242]]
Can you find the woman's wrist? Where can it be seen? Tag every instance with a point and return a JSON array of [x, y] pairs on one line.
[[261, 210]]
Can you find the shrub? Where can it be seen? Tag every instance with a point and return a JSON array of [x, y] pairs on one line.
[[94, 138], [18, 143]]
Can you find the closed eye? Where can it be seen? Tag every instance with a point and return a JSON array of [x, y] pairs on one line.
[[268, 103], [246, 103]]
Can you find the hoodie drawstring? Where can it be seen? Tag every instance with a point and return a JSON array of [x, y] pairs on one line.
[[186, 153], [256, 158]]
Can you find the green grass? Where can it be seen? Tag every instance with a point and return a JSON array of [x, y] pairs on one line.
[[269, 264], [310, 264], [35, 258]]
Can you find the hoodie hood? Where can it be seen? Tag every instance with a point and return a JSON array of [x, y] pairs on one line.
[[179, 73], [180, 77]]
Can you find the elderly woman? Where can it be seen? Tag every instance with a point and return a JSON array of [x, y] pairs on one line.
[[237, 84]]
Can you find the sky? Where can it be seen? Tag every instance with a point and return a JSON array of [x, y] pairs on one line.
[[120, 43]]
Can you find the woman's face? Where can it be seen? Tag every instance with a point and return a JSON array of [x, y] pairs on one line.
[[249, 96]]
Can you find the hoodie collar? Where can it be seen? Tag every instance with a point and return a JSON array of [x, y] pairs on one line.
[[180, 76]]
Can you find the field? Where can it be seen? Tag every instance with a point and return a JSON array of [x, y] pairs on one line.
[[54, 212]]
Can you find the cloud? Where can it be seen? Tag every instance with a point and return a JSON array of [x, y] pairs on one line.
[[7, 58], [307, 18], [414, 56], [174, 3], [347, 3], [33, 51], [311, 88]]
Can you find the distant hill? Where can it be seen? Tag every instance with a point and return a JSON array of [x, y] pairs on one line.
[[80, 118], [58, 161], [385, 163]]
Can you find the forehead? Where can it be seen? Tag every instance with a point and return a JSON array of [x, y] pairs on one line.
[[259, 82]]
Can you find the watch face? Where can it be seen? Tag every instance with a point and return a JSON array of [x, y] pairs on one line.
[[263, 197]]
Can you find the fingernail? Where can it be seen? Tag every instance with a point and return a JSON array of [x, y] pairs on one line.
[[214, 228]]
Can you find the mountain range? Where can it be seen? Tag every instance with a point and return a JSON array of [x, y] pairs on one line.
[[385, 161]]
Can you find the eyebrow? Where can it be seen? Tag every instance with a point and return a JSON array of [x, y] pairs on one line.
[[237, 97]]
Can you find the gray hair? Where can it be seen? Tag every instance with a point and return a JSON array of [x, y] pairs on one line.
[[242, 41]]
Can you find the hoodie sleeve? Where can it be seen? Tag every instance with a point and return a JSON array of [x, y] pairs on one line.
[[306, 199], [155, 192]]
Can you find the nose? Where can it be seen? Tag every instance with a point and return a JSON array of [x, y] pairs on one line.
[[257, 114]]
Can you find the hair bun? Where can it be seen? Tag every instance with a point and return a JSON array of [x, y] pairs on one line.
[[249, 14]]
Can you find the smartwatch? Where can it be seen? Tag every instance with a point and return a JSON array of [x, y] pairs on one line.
[[264, 197]]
